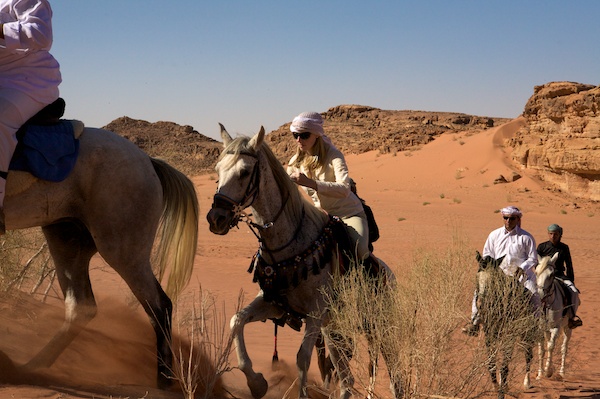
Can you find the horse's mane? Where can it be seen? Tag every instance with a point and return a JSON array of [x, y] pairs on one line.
[[296, 202], [543, 265]]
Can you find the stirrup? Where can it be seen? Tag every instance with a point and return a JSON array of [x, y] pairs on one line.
[[575, 322]]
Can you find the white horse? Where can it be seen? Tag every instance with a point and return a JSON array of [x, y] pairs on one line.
[[297, 257], [115, 202], [555, 318], [507, 319]]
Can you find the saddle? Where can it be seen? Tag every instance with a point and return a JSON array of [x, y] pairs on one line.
[[47, 145], [563, 289]]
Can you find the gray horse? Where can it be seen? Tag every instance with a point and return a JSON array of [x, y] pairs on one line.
[[555, 319], [296, 261], [115, 202]]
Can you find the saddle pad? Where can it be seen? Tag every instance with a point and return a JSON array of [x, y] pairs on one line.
[[48, 152]]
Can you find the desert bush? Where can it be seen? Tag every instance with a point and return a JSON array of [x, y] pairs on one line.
[[201, 353], [414, 324], [25, 262]]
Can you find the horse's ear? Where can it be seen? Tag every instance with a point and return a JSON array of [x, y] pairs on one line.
[[554, 258], [258, 139], [225, 136], [478, 256]]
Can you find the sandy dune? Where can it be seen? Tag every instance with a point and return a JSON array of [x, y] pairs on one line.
[[419, 199]]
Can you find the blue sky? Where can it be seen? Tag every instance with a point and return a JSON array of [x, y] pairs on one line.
[[252, 63]]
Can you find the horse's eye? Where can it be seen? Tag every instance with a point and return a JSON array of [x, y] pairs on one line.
[[244, 173]]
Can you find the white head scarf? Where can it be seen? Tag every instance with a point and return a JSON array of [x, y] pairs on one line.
[[511, 211], [308, 122]]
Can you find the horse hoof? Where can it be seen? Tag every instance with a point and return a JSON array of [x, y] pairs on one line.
[[258, 386]]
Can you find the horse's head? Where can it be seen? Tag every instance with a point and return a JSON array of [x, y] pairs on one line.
[[487, 261], [488, 267], [238, 182], [544, 272]]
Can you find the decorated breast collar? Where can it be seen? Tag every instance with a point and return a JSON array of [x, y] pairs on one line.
[[273, 278]]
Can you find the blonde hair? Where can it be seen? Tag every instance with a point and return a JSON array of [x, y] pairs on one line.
[[313, 164]]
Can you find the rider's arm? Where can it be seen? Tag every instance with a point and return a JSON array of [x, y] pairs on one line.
[[335, 181], [33, 30], [568, 264], [530, 253]]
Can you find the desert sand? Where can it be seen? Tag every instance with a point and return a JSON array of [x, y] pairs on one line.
[[420, 199]]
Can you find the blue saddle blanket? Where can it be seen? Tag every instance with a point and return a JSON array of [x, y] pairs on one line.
[[48, 152]]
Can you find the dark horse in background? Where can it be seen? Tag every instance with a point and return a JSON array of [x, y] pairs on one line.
[[115, 202], [507, 318]]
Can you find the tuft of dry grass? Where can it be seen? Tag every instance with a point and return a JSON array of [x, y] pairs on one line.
[[25, 262], [201, 356], [413, 325]]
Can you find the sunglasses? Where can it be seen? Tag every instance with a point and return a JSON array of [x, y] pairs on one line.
[[511, 218], [303, 135]]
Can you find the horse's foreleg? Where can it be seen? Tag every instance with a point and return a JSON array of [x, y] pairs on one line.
[[564, 348], [396, 383], [341, 353], [325, 365], [549, 369], [71, 248], [257, 310], [541, 354], [528, 358], [311, 333], [372, 376]]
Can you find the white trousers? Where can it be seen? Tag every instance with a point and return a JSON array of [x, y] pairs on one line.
[[358, 229]]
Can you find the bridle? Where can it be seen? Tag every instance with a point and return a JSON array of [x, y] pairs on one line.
[[237, 207], [548, 297], [250, 194]]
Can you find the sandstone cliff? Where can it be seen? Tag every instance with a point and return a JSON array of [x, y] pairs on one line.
[[561, 137]]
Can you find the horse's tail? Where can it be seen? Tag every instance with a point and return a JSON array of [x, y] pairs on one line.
[[178, 230]]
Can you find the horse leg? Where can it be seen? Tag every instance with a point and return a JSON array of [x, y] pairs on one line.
[[528, 359], [129, 256], [564, 347], [325, 365], [396, 386], [549, 369], [340, 352], [311, 332], [71, 247], [257, 310], [542, 344], [372, 374], [158, 307]]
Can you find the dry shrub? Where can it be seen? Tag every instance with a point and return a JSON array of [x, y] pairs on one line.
[[201, 355], [414, 325], [25, 262]]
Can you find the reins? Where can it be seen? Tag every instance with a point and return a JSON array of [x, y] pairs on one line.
[[548, 298], [250, 195]]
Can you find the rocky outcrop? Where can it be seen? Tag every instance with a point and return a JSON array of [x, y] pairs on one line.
[[358, 128], [561, 139]]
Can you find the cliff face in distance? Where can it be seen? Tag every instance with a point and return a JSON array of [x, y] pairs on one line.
[[561, 139]]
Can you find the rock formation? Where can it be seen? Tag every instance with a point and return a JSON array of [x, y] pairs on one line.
[[561, 139]]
